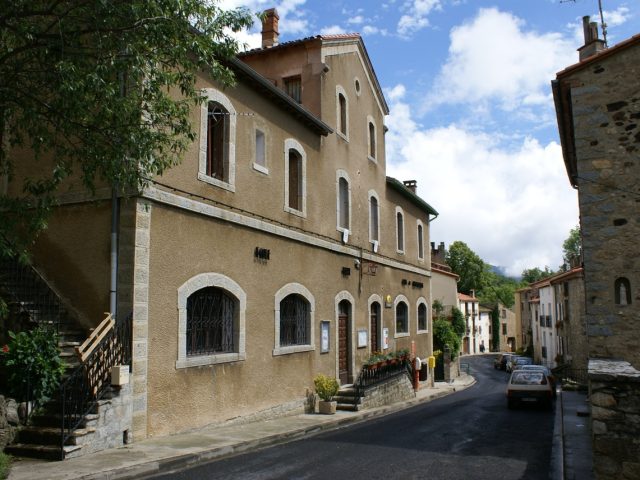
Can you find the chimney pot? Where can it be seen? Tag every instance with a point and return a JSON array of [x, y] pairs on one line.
[[592, 44], [411, 185], [270, 28]]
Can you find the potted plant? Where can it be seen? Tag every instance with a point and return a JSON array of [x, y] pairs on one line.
[[326, 388]]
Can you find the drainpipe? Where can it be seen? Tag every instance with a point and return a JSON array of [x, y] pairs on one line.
[[115, 214]]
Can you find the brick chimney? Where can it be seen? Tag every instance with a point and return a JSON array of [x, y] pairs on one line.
[[270, 28], [411, 185], [592, 44]]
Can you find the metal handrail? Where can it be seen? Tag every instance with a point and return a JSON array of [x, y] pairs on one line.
[[369, 376]]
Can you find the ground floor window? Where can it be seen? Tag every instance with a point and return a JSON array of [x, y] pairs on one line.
[[210, 322]]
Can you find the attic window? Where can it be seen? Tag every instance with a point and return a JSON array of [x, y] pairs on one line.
[[293, 87], [357, 85]]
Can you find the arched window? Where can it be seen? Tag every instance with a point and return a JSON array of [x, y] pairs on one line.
[[423, 321], [294, 321], [622, 291], [372, 141], [402, 318], [343, 208], [420, 241], [211, 314], [217, 141], [400, 230], [342, 112], [374, 216], [295, 178]]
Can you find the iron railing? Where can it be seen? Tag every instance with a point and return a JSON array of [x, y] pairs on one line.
[[88, 383], [568, 376], [24, 289], [373, 375]]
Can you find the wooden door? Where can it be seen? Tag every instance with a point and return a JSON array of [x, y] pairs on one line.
[[343, 348], [375, 346]]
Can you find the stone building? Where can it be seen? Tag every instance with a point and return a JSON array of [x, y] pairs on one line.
[[598, 109], [280, 220], [444, 283]]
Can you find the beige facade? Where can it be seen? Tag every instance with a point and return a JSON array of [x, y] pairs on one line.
[[298, 215], [509, 334]]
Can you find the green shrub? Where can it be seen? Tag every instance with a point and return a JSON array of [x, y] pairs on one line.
[[445, 336], [326, 387], [5, 463], [32, 363]]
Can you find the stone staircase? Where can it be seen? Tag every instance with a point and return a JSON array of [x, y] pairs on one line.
[[347, 399]]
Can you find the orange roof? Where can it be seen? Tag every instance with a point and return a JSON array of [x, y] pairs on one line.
[[466, 298]]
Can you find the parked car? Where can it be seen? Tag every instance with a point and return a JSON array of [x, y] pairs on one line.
[[547, 371], [500, 363], [529, 387], [517, 359]]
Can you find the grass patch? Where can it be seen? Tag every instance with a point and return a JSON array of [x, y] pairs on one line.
[[5, 461]]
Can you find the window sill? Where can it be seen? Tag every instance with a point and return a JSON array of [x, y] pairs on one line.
[[293, 211], [372, 159], [215, 182], [400, 335], [292, 349], [202, 360], [343, 136], [422, 332], [260, 168]]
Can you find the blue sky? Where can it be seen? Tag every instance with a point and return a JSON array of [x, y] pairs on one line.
[[472, 117]]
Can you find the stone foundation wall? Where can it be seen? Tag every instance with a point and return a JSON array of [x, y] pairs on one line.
[[394, 390], [9, 420], [614, 390]]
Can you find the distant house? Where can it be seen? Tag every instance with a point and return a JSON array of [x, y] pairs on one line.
[[509, 333], [470, 307], [598, 110], [444, 283], [485, 331]]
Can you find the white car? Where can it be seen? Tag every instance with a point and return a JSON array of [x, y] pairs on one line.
[[529, 387]]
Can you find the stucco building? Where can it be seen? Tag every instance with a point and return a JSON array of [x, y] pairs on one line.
[[278, 249]]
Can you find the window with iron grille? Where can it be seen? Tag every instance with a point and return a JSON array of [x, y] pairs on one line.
[[294, 321], [210, 322]]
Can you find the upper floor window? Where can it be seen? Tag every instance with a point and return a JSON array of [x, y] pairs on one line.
[[402, 318], [260, 160], [374, 216], [371, 136], [293, 87], [622, 291], [420, 241], [344, 203], [217, 141], [399, 230], [295, 178], [342, 112]]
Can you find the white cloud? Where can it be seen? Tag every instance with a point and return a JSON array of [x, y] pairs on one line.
[[357, 20], [332, 30], [373, 30], [494, 59], [513, 206], [416, 16]]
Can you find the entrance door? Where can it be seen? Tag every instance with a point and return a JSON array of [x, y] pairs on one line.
[[344, 353], [375, 315]]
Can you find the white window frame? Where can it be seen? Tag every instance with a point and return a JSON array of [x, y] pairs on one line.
[[374, 157], [192, 285], [398, 232], [213, 95], [343, 174], [256, 166], [345, 135], [420, 240], [373, 194], [285, 291], [422, 301], [405, 300], [289, 144]]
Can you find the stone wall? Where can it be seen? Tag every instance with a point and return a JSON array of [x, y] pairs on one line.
[[9, 420], [391, 391], [614, 391], [605, 106]]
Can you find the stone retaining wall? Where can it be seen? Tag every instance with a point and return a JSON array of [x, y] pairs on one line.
[[9, 420], [391, 391], [614, 390]]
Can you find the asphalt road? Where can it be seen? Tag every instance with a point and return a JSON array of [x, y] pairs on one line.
[[467, 435]]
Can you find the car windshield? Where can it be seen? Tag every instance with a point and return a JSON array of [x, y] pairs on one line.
[[524, 377]]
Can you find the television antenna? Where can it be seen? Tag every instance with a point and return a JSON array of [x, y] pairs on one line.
[[603, 24]]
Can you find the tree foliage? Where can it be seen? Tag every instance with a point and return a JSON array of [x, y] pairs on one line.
[[531, 275], [572, 246], [101, 90], [458, 322], [468, 265], [445, 336]]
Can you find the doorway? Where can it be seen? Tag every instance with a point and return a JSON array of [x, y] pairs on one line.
[[344, 345]]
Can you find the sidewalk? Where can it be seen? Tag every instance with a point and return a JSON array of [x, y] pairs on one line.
[[577, 456], [165, 454]]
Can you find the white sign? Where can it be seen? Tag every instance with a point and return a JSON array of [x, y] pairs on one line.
[[385, 338]]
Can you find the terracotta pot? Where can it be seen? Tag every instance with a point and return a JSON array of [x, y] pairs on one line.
[[327, 408]]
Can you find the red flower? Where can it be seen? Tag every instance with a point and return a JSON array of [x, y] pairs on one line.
[[5, 349]]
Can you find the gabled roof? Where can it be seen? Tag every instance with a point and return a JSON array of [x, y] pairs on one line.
[[331, 41], [244, 71], [400, 187], [467, 298]]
